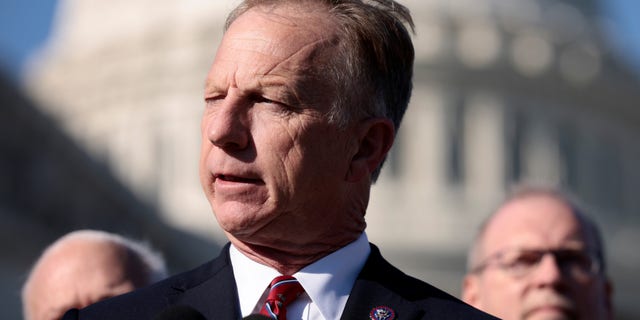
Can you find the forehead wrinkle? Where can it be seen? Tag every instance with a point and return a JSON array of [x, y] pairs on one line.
[[297, 68], [287, 75], [304, 55], [301, 57]]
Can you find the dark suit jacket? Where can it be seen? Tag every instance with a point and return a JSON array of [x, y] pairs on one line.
[[211, 290]]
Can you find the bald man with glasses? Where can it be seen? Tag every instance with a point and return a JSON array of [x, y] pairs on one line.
[[538, 257]]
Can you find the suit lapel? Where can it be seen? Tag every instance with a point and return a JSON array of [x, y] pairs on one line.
[[369, 296], [375, 288], [210, 290]]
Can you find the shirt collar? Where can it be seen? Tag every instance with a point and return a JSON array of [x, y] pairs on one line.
[[327, 281], [251, 279]]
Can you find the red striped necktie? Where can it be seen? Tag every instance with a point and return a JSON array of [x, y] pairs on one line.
[[283, 290]]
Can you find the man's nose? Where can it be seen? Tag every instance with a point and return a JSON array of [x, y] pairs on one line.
[[228, 127], [548, 272]]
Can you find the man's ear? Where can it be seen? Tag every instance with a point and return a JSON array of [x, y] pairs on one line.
[[375, 138], [470, 290]]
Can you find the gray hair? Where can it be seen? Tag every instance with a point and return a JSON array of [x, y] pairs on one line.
[[372, 71], [141, 253]]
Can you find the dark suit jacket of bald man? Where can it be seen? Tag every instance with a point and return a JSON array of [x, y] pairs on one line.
[[211, 290]]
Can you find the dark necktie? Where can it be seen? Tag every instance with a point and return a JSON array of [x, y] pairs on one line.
[[283, 290]]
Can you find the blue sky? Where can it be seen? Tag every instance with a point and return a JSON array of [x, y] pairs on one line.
[[24, 26], [625, 29]]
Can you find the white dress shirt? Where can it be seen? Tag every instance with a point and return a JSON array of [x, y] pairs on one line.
[[327, 282]]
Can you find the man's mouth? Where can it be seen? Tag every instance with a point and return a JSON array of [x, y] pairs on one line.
[[232, 178]]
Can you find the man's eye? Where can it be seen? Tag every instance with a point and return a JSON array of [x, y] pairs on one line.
[[576, 258], [261, 99], [274, 105], [214, 99], [526, 259]]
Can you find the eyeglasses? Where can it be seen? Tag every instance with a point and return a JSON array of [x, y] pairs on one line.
[[518, 263]]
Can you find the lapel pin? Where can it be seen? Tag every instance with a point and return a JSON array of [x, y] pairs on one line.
[[382, 313]]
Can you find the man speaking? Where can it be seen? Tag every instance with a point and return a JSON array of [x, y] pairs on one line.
[[302, 104]]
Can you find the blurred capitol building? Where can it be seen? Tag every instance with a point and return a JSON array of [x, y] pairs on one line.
[[505, 92]]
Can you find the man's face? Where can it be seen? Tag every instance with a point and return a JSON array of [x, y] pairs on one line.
[[272, 167], [547, 291]]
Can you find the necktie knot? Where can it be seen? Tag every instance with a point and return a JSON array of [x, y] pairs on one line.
[[282, 291]]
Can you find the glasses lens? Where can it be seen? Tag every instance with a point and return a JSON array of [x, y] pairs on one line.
[[521, 262], [580, 264]]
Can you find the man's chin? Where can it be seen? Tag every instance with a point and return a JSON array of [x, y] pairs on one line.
[[549, 313], [235, 216]]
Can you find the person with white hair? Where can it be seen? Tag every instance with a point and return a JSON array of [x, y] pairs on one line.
[[86, 266]]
